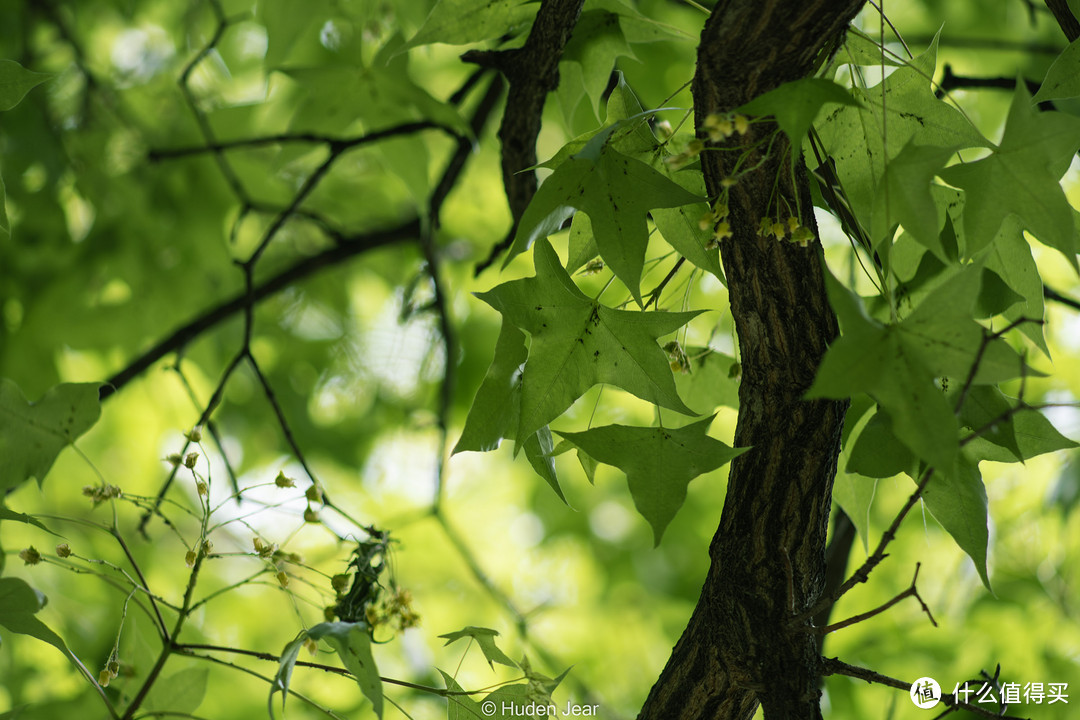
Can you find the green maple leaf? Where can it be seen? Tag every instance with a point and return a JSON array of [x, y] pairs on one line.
[[853, 135], [1021, 177], [957, 500], [616, 192], [904, 195], [495, 410], [576, 343], [1063, 78], [1010, 257], [896, 364], [485, 639], [597, 42], [795, 104], [33, 434], [458, 22], [659, 462]]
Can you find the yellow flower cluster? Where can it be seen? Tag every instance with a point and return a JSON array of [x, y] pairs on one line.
[[722, 126], [677, 357], [396, 610], [792, 230], [100, 493], [716, 218]]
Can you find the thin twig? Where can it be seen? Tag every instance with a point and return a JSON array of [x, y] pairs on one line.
[[910, 592], [835, 666]]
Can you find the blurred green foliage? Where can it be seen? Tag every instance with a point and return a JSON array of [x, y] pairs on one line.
[[114, 243]]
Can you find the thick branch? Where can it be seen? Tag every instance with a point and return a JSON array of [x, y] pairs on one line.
[[1066, 20], [768, 553], [533, 72]]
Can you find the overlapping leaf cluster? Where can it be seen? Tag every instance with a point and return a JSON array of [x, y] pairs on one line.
[[939, 212], [556, 343]]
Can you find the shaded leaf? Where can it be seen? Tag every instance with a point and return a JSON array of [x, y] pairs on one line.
[[1010, 257], [904, 194], [659, 462], [1063, 78], [181, 692], [352, 643], [795, 104], [957, 500], [877, 452], [16, 81], [33, 434]]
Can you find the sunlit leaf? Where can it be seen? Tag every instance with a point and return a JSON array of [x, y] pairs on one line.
[[659, 462], [485, 639], [1022, 177], [577, 343], [19, 603], [616, 192]]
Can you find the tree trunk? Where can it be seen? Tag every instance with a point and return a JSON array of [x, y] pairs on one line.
[[744, 644]]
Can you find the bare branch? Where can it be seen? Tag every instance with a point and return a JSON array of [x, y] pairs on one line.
[[854, 620], [835, 666], [285, 138]]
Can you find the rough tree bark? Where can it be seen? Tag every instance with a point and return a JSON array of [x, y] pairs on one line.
[[746, 643]]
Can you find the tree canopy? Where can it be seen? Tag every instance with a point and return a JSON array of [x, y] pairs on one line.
[[779, 304]]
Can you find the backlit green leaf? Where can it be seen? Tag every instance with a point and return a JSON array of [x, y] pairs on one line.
[[577, 343], [181, 692], [495, 410], [353, 645], [1022, 177], [458, 22], [854, 136], [659, 462], [19, 603], [616, 192], [485, 639], [957, 500]]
